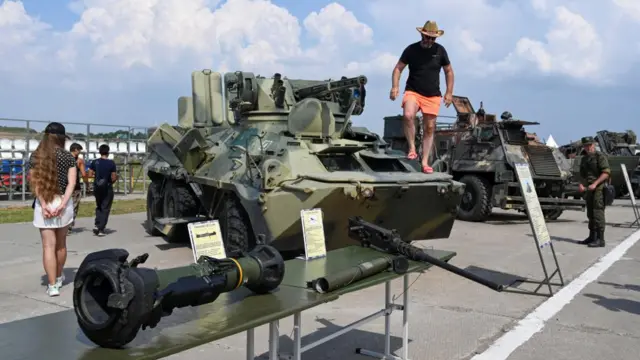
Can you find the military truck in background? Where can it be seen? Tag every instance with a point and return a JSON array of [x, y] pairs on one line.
[[253, 152], [481, 152], [620, 148]]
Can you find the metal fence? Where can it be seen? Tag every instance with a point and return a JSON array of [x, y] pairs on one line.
[[19, 138]]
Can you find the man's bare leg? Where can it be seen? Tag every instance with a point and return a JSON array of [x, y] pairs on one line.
[[409, 122], [427, 140]]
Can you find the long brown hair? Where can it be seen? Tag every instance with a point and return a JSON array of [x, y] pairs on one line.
[[44, 174]]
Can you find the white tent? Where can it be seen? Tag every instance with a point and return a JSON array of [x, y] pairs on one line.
[[551, 142]]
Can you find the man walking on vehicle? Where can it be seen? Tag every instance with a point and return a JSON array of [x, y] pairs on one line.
[[422, 93]]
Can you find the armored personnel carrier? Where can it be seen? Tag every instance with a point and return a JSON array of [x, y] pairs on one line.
[[253, 152], [620, 148], [481, 152]]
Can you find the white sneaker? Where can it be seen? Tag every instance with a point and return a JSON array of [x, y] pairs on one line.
[[53, 290], [59, 281]]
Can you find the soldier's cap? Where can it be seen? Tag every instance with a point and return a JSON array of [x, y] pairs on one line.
[[587, 140]]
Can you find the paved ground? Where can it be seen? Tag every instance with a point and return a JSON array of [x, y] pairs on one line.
[[119, 196], [451, 318]]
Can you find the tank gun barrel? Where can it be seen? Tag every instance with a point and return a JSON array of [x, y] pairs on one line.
[[388, 241], [331, 86]]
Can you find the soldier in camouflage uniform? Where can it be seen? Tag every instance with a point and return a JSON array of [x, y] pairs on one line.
[[594, 172]]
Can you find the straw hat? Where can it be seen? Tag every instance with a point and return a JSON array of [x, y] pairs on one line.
[[430, 28]]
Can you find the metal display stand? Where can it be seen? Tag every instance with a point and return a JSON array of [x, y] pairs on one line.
[[632, 197], [540, 234], [298, 349]]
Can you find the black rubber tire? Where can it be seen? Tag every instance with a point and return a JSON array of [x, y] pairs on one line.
[[179, 202], [235, 226], [552, 214], [481, 192], [154, 207]]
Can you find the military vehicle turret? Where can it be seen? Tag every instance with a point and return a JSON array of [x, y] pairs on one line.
[[253, 152], [481, 152], [620, 148]]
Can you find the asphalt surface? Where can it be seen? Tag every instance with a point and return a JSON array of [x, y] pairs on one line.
[[451, 317]]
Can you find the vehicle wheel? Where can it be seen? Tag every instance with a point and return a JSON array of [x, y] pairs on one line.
[[154, 207], [476, 200], [622, 191], [236, 228], [179, 202], [552, 214]]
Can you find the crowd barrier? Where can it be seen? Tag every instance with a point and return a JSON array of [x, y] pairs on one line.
[[19, 149], [16, 147]]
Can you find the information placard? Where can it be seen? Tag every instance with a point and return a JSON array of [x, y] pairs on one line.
[[629, 187], [206, 239], [313, 233], [632, 196], [536, 217]]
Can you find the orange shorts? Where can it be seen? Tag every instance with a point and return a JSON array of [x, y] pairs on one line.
[[427, 105]]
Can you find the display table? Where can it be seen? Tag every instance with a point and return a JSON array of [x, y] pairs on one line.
[[57, 336], [299, 272]]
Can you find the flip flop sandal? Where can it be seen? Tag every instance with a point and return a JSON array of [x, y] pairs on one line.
[[412, 155], [427, 169]]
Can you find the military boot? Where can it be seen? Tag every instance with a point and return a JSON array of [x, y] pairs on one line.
[[589, 239], [599, 241]]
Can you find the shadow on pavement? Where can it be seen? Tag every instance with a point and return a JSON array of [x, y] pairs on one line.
[[506, 279], [617, 305], [69, 275], [341, 348], [563, 239], [515, 219], [620, 286]]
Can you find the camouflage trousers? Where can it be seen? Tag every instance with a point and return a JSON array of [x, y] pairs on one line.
[[76, 197], [595, 208]]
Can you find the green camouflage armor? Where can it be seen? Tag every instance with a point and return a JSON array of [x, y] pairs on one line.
[[591, 167]]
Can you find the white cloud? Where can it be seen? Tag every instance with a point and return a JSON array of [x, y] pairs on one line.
[[142, 38], [18, 30], [379, 62], [117, 42], [334, 24], [572, 47], [570, 38], [469, 42], [631, 7]]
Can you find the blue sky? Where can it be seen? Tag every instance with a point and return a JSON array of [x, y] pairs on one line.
[[570, 65]]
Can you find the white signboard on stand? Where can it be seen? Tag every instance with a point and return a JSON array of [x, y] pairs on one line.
[[206, 239], [313, 233], [632, 196], [532, 204]]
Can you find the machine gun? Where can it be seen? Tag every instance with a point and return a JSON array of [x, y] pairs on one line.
[[388, 241], [348, 92], [113, 298]]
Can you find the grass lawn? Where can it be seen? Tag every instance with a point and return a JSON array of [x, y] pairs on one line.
[[87, 209]]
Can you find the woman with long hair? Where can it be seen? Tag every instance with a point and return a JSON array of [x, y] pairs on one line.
[[53, 177]]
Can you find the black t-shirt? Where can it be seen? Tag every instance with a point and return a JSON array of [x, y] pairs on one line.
[[64, 161], [103, 169], [424, 68]]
